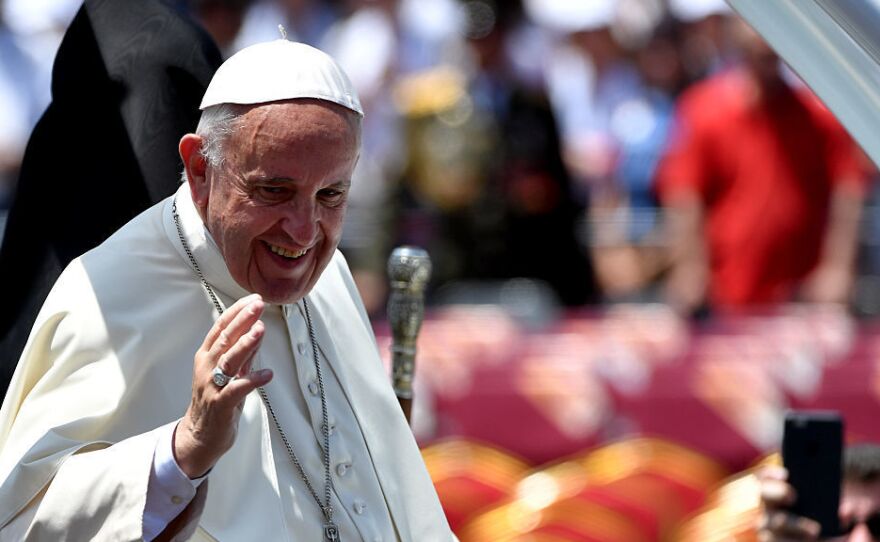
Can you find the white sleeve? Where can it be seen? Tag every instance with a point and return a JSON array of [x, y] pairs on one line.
[[100, 494], [169, 490]]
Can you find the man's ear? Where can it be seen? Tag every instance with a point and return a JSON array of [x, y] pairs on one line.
[[195, 166]]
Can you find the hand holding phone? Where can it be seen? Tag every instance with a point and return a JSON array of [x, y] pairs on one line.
[[812, 453]]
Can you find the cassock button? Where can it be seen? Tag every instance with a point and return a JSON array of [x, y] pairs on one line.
[[359, 507], [342, 468], [301, 348], [176, 499], [313, 388]]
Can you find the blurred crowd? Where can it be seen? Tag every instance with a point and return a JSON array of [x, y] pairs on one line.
[[609, 150]]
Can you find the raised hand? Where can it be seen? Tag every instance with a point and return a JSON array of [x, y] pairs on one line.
[[208, 428]]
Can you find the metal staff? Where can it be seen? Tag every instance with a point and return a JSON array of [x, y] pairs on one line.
[[409, 269]]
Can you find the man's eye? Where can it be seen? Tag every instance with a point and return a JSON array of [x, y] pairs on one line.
[[272, 192], [332, 195]]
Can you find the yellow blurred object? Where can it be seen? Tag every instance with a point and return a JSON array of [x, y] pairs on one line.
[[622, 458], [470, 477], [569, 519], [447, 140], [429, 92]]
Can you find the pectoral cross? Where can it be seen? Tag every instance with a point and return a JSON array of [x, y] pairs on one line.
[[331, 532]]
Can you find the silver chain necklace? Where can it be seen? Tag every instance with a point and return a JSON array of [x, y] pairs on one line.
[[331, 531]]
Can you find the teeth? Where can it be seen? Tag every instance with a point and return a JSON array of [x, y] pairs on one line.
[[286, 253]]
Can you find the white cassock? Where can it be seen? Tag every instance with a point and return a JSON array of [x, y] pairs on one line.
[[110, 360]]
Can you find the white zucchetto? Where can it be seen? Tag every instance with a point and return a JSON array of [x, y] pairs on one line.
[[280, 70], [567, 16]]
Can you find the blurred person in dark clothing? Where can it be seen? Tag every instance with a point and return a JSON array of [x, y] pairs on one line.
[[763, 190], [496, 197], [222, 19], [859, 501], [131, 74]]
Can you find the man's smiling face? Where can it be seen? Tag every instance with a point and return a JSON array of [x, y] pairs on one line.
[[275, 205]]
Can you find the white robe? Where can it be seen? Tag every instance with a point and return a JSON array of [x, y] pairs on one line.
[[109, 360]]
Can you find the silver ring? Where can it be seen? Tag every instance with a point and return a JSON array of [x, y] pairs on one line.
[[220, 378]]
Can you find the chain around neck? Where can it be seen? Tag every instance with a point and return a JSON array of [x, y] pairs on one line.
[[325, 506]]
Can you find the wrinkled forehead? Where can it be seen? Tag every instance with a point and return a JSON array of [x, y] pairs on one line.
[[299, 119], [304, 128]]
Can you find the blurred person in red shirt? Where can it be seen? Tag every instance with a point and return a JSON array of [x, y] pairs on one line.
[[763, 190]]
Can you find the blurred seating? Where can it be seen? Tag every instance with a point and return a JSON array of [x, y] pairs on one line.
[[470, 477], [718, 387], [566, 520], [667, 481], [629, 491]]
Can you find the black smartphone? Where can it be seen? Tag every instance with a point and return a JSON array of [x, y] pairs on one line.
[[812, 448]]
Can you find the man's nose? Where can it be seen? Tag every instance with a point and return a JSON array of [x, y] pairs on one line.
[[301, 222]]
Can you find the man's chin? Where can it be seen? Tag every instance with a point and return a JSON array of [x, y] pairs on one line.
[[277, 298], [282, 294]]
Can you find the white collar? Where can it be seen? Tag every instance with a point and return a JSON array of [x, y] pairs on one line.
[[204, 248]]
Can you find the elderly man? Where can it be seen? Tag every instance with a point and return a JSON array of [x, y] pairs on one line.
[[859, 501], [208, 372]]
